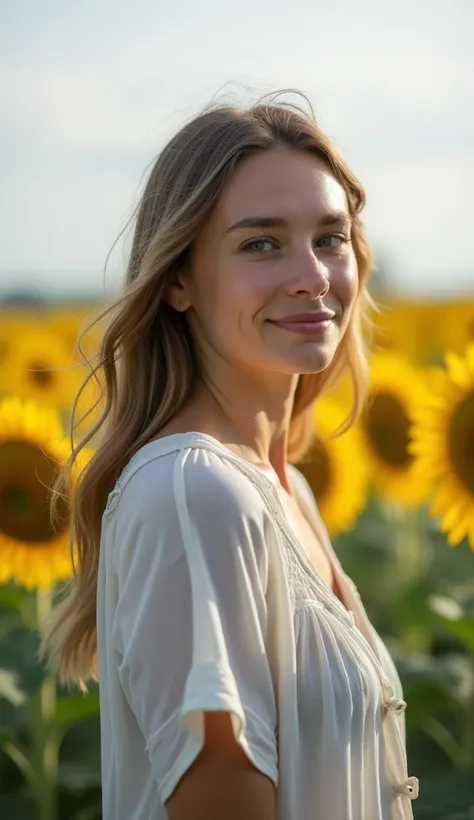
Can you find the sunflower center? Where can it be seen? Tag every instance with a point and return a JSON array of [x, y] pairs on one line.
[[16, 499], [41, 375], [26, 477], [461, 441], [388, 430], [317, 470]]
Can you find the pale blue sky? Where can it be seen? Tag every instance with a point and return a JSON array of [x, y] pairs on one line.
[[91, 90]]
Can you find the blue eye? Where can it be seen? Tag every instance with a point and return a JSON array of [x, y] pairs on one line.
[[342, 239], [248, 245], [258, 245]]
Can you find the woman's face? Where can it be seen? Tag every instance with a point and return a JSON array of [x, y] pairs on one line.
[[277, 245]]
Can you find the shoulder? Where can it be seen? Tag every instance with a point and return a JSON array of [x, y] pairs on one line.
[[197, 477], [190, 504], [160, 492]]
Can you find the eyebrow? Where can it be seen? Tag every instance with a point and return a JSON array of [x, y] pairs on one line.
[[331, 218]]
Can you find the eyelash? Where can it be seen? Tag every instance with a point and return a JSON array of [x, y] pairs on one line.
[[344, 240]]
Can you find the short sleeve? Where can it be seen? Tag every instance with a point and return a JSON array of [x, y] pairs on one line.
[[191, 619]]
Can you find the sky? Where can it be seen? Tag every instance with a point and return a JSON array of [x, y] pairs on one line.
[[91, 91]]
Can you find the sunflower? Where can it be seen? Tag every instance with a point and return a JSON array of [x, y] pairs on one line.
[[395, 329], [460, 324], [38, 367], [14, 324], [69, 323], [395, 388], [32, 447], [443, 443], [336, 469]]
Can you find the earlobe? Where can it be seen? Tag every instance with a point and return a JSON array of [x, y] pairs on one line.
[[175, 291], [174, 297], [180, 306]]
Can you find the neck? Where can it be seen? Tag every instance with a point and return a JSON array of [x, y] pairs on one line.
[[249, 414]]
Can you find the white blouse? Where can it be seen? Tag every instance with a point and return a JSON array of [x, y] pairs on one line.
[[207, 601]]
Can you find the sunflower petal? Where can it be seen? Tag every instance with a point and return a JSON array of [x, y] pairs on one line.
[[470, 359], [456, 535], [442, 499], [457, 370], [455, 512]]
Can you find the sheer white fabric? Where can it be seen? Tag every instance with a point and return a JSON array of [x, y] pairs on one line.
[[206, 601]]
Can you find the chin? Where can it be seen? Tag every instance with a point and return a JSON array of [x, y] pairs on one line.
[[316, 357], [312, 362], [314, 367]]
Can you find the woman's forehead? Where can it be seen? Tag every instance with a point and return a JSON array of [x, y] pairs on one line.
[[280, 183]]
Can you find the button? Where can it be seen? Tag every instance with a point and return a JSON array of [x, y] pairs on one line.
[[396, 704], [410, 787]]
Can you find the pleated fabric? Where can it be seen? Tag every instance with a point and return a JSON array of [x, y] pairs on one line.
[[206, 600]]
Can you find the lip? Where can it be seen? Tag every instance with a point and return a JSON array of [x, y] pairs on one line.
[[306, 318], [305, 328], [306, 324]]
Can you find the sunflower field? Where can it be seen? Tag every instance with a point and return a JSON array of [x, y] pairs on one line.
[[396, 492]]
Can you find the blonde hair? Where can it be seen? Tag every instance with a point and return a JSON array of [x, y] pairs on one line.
[[146, 362]]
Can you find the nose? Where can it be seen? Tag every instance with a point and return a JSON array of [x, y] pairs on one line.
[[310, 276]]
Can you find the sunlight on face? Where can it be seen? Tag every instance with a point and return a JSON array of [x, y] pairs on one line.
[[278, 244]]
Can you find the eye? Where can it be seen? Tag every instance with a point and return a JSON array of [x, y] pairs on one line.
[[341, 239], [255, 246]]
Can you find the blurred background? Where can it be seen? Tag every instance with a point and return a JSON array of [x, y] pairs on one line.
[[90, 94], [92, 91]]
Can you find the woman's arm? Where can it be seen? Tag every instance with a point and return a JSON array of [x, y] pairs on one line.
[[222, 781]]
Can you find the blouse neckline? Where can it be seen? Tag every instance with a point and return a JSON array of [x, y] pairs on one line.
[[269, 492], [267, 484]]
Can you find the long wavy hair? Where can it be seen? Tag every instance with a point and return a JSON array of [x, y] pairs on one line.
[[146, 364]]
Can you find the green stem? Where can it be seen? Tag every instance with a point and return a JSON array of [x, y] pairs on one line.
[[21, 757], [469, 728], [445, 740], [413, 556], [45, 737], [411, 545]]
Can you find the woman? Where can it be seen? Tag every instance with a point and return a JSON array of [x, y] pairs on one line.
[[239, 674]]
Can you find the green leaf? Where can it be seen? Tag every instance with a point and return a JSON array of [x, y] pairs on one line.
[[21, 756], [77, 707], [16, 807], [12, 596], [446, 608], [90, 812], [456, 613], [448, 795], [80, 765], [18, 651], [9, 689], [78, 776]]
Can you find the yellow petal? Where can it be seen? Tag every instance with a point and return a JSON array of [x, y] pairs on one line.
[[457, 514], [456, 535], [457, 370]]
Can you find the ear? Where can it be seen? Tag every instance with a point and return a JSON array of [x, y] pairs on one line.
[[176, 291], [176, 297]]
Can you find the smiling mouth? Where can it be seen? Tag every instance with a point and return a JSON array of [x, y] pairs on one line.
[[313, 327]]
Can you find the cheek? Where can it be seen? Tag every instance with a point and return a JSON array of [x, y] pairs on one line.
[[228, 299], [345, 286], [245, 285]]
